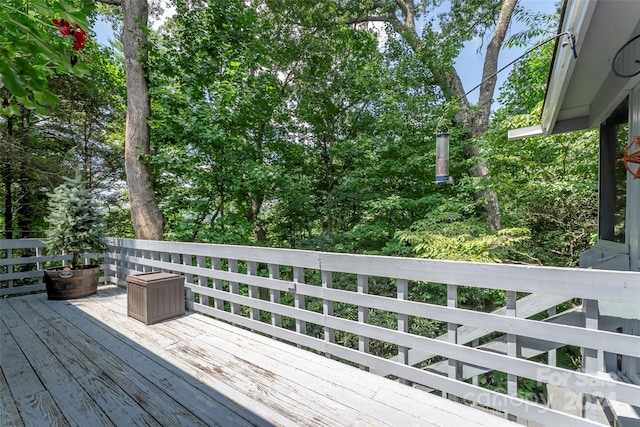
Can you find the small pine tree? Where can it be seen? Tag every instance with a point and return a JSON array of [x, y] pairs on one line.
[[75, 225]]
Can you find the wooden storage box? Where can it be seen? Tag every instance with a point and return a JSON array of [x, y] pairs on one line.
[[155, 296]]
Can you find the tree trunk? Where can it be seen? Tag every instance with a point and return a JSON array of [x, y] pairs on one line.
[[475, 119], [7, 181], [146, 216]]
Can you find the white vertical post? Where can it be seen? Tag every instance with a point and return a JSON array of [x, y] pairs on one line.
[[10, 267], [188, 277], [274, 294], [474, 380], [164, 257], [590, 359], [327, 307], [218, 303], [403, 323], [299, 301], [149, 255], [632, 223], [552, 358], [40, 265], [512, 349], [233, 286], [363, 316], [452, 335], [203, 281], [252, 270]]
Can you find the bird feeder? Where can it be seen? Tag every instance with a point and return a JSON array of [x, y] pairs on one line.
[[442, 158]]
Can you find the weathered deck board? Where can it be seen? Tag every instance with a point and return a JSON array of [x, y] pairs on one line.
[[74, 403], [190, 370]]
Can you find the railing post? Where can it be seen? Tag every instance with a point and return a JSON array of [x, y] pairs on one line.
[[512, 349], [203, 281], [475, 380], [299, 301], [403, 324], [10, 268], [363, 316], [121, 264], [164, 257], [217, 284], [40, 265], [233, 286], [274, 294], [252, 270], [327, 308], [552, 354], [452, 335], [590, 359], [175, 259], [188, 277], [146, 254]]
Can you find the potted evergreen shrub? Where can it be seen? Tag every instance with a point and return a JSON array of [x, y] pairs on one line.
[[74, 227]]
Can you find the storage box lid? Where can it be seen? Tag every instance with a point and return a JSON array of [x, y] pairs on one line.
[[152, 277]]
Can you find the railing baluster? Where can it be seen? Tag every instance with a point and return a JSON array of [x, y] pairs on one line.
[[175, 259], [252, 270], [10, 268], [218, 303], [475, 380], [39, 264], [590, 359], [452, 337], [148, 255], [188, 277], [363, 316], [512, 349], [552, 354], [203, 281], [299, 301], [403, 324], [164, 257], [274, 294], [233, 286], [327, 307]]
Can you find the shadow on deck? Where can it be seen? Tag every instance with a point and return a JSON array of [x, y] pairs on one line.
[[84, 362]]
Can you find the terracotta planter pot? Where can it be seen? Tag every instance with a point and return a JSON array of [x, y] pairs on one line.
[[71, 284]]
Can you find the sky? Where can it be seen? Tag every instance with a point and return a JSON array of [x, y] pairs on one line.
[[469, 63]]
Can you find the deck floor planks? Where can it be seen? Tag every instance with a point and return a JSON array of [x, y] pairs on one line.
[[217, 390], [340, 382], [258, 384], [338, 385], [160, 379], [9, 414], [32, 400], [202, 366], [74, 403], [112, 389]]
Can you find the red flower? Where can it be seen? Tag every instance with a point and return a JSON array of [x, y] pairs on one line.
[[63, 26], [78, 34], [81, 38]]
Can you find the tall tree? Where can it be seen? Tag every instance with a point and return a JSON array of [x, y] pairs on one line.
[[440, 45], [147, 219]]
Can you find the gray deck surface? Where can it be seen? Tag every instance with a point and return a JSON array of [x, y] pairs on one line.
[[85, 363]]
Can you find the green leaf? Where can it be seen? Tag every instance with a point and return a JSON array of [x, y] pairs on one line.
[[81, 69], [12, 81]]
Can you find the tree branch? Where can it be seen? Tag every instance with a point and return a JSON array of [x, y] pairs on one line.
[[111, 2]]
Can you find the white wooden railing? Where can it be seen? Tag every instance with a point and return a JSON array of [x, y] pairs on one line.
[[290, 295]]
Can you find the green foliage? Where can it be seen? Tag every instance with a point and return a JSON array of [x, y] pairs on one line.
[[75, 224], [31, 52]]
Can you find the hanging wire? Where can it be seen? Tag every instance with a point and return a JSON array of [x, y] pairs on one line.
[[571, 42]]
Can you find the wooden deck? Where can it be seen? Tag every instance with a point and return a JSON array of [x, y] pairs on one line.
[[84, 362]]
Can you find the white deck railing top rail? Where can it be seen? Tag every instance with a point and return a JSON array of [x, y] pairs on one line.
[[362, 310]]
